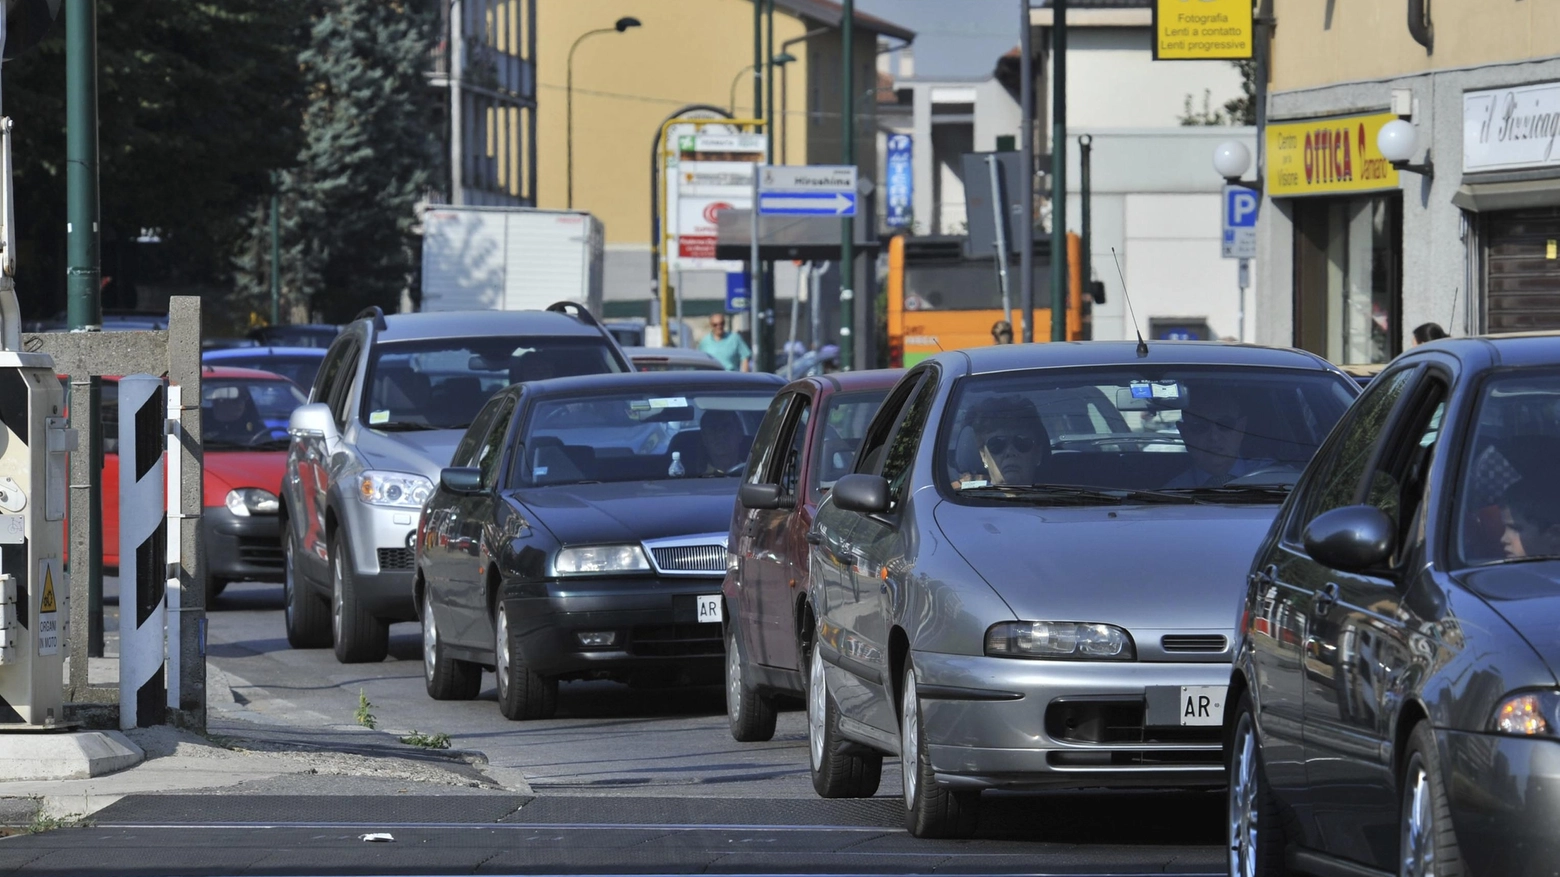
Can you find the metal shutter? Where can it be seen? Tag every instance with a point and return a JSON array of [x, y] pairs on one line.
[[1521, 277]]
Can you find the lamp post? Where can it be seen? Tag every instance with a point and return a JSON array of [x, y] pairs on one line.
[[781, 60], [731, 101], [1398, 140], [1231, 160], [620, 26]]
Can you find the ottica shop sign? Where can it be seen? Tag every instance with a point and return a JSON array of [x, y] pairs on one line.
[[1328, 156]]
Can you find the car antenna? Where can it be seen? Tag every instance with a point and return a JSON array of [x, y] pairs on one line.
[[1452, 320], [1142, 348]]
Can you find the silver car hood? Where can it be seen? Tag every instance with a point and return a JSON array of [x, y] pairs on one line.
[[423, 453], [1151, 570]]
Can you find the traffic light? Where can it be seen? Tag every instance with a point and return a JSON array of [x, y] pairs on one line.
[[26, 24]]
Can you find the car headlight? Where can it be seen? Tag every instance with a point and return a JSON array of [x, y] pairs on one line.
[[1059, 639], [246, 501], [592, 559], [1530, 714], [395, 489]]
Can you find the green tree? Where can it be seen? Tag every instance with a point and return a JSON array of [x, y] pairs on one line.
[[196, 101], [370, 152], [1235, 111]]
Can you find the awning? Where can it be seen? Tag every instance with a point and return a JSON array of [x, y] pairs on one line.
[[1482, 197]]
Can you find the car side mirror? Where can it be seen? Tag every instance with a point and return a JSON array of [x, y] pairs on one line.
[[461, 480], [867, 494], [1353, 538], [761, 496], [314, 419]]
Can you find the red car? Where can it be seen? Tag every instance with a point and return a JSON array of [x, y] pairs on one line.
[[807, 440], [244, 416]]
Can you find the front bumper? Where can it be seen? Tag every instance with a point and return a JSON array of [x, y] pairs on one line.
[[241, 548], [654, 619], [1505, 800], [383, 560], [1035, 724]]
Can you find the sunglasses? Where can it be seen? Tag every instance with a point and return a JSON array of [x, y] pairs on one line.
[[1201, 425], [998, 444]]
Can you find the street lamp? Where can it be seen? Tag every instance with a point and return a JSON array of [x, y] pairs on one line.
[[731, 103], [1231, 159], [780, 61], [1397, 140], [620, 26]]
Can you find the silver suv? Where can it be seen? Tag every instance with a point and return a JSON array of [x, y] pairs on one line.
[[392, 398]]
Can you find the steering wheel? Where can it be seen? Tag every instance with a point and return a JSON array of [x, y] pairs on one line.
[[1274, 473]]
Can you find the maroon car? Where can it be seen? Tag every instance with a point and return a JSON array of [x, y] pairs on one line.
[[807, 440]]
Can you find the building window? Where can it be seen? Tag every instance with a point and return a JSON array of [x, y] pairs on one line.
[[1348, 278]]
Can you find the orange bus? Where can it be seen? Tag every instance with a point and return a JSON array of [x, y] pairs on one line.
[[939, 300]]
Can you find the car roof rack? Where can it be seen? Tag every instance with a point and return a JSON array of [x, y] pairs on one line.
[[576, 310], [375, 313]]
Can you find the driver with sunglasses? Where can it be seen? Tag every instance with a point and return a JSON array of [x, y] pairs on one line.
[[1012, 442]]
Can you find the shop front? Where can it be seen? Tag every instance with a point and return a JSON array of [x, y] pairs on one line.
[[1510, 188], [1346, 212]]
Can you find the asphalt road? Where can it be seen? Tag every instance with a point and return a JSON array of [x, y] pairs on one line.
[[623, 780]]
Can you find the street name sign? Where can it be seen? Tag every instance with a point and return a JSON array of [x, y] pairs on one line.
[[807, 190]]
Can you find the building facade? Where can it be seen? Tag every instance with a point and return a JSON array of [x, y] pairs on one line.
[[486, 60], [1354, 252]]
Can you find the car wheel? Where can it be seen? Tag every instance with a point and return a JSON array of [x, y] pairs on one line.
[[750, 714], [931, 810], [360, 637], [1256, 839], [522, 693], [446, 678], [306, 615], [840, 769], [1428, 846]]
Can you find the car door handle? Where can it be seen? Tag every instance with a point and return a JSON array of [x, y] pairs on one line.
[[814, 538], [1264, 576], [1325, 598]]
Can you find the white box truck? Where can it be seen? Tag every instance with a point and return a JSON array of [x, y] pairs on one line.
[[509, 258]]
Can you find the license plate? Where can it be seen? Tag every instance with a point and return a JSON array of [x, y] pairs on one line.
[[709, 609], [1203, 704]]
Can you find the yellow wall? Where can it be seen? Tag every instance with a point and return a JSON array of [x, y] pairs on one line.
[[626, 84], [1320, 42]]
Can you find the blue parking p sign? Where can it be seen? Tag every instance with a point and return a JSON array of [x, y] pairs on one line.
[[1240, 222]]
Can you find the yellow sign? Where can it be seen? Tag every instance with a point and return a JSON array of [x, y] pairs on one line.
[[1328, 156], [48, 604], [1199, 30]]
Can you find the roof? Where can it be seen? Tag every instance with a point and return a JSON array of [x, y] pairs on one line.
[[221, 353], [654, 382], [231, 373], [483, 324], [1516, 349], [831, 13], [1010, 357]]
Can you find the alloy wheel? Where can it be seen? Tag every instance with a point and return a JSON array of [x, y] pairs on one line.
[[1419, 830], [733, 678], [910, 740], [817, 702], [337, 597], [288, 585], [430, 637], [501, 650], [1243, 815]]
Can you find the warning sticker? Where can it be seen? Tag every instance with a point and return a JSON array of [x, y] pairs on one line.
[[48, 610], [48, 604]]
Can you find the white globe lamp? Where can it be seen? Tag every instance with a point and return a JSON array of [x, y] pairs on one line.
[[1231, 159], [1397, 140]]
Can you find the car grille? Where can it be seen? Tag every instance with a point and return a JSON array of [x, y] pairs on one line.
[[397, 558], [1117, 721], [691, 558], [1175, 642], [265, 553], [675, 640]]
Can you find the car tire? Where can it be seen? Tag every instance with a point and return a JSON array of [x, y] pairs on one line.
[[931, 810], [360, 637], [306, 615], [446, 678], [1427, 842], [1254, 835], [750, 714], [840, 769], [523, 694]]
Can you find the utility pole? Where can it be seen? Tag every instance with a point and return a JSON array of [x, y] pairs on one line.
[[1059, 170], [764, 350], [756, 269], [276, 250], [847, 225], [1026, 211], [84, 305]]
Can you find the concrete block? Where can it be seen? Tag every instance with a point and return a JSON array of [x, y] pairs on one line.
[[67, 756]]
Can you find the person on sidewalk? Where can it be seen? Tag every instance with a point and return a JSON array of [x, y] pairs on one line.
[[1002, 332], [728, 348], [1424, 333]]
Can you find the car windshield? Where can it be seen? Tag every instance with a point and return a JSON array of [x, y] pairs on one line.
[[640, 436], [298, 369], [442, 383], [844, 425], [247, 412], [1509, 496], [1234, 432]]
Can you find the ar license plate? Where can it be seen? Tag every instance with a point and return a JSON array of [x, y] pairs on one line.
[[1203, 704], [709, 609]]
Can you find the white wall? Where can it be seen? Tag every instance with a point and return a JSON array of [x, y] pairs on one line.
[[1113, 81]]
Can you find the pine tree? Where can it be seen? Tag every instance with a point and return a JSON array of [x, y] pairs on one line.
[[369, 155]]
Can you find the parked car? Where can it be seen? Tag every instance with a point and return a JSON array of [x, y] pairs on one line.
[[1025, 582], [243, 431], [391, 401], [1363, 374], [633, 332], [807, 441], [1393, 698], [671, 359], [320, 335], [297, 364], [551, 551]]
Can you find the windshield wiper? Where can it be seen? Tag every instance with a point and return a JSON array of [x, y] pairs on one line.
[[403, 426], [1237, 492], [1079, 494]]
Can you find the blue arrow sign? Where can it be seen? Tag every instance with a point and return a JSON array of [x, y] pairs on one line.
[[807, 203]]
